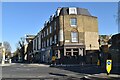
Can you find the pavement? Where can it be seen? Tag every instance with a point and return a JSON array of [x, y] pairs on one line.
[[27, 65], [58, 72]]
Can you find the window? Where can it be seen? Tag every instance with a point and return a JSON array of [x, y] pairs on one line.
[[50, 40], [73, 21], [72, 11], [50, 29], [55, 25], [47, 31], [44, 43], [55, 37], [34, 42], [44, 33], [74, 36], [47, 42], [37, 43]]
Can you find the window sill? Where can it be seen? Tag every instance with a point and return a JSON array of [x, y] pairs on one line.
[[74, 42], [73, 25]]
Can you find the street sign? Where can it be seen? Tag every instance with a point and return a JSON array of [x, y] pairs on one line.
[[53, 58], [108, 65], [98, 63]]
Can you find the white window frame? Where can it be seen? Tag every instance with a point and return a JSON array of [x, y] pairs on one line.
[[47, 31], [50, 28], [55, 25], [73, 25], [55, 39], [73, 37], [50, 40], [39, 41], [72, 10]]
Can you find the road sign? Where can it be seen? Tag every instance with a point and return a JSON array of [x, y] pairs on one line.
[[98, 63], [108, 65], [53, 58]]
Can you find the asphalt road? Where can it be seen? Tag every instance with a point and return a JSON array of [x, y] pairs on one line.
[[38, 71], [45, 72]]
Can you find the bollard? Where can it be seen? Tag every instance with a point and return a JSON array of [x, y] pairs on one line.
[[10, 61], [3, 62], [98, 62], [108, 66]]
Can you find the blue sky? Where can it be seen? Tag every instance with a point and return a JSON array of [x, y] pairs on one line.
[[23, 18]]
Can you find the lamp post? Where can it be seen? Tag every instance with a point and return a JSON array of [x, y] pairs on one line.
[[3, 54], [53, 54], [99, 53], [90, 54], [52, 48]]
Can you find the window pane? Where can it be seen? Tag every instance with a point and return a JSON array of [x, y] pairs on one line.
[[73, 22], [47, 31], [55, 25], [74, 36], [50, 29], [55, 37]]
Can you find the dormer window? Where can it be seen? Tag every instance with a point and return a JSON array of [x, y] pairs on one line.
[[72, 11]]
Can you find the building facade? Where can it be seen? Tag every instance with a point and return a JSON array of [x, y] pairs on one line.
[[29, 49], [37, 48], [0, 52], [70, 33], [114, 49]]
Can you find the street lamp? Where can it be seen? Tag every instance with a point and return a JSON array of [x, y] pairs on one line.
[[91, 54], [53, 54]]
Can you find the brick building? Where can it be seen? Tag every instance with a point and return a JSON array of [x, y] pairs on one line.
[[115, 48], [71, 32]]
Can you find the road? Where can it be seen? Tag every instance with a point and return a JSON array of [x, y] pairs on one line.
[[41, 71], [37, 71]]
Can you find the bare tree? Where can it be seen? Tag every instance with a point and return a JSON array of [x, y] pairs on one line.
[[21, 48], [7, 46], [7, 49]]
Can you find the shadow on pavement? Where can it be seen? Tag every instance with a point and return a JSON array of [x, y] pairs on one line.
[[91, 69], [56, 74]]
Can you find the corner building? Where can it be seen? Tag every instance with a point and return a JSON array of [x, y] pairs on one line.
[[71, 33]]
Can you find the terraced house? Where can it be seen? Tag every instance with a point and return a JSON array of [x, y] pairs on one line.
[[69, 34]]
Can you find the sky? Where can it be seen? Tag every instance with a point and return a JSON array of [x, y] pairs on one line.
[[23, 18]]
